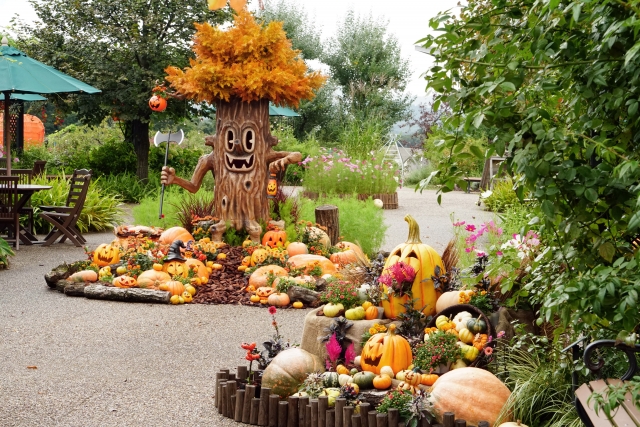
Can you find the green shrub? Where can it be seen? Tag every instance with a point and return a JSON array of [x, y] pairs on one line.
[[288, 142], [129, 187], [113, 158], [101, 211], [183, 160], [502, 197], [417, 175], [360, 221], [30, 155], [361, 138]]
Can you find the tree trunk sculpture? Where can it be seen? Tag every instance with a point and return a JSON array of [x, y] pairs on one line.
[[241, 160]]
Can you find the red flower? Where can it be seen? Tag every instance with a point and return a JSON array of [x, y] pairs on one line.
[[247, 346], [272, 310]]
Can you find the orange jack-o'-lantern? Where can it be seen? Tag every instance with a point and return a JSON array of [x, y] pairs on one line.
[[274, 238], [106, 254], [272, 187], [157, 103], [176, 268], [264, 291], [386, 349], [124, 282]]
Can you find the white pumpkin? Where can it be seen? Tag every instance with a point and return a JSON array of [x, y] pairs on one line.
[[344, 379], [512, 424], [460, 320], [388, 371]]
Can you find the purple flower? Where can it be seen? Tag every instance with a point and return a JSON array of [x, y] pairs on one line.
[[501, 334]]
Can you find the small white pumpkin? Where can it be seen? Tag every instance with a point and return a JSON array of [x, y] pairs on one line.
[[460, 319], [400, 375], [388, 371], [512, 424], [356, 360], [344, 379], [459, 364]]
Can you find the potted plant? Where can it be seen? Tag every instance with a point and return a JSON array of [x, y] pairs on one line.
[[437, 353]]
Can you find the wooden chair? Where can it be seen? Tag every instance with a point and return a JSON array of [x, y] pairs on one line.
[[38, 167], [9, 217], [627, 414], [64, 218], [24, 177]]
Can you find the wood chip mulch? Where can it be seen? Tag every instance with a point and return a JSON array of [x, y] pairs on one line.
[[226, 286]]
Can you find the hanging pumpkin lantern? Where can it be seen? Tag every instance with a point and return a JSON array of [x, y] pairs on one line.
[[157, 103], [272, 187], [106, 254], [274, 238], [424, 259], [386, 349]]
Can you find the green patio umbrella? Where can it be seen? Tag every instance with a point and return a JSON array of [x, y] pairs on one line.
[[281, 111], [20, 74]]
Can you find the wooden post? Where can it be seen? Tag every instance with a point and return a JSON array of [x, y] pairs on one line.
[[394, 417], [232, 388], [218, 379], [356, 420], [242, 373], [347, 413], [340, 404], [460, 423], [364, 411], [424, 422], [274, 400], [371, 418], [292, 420], [331, 418], [249, 394], [448, 418], [483, 424], [239, 402], [255, 411], [327, 216], [283, 412], [307, 416], [382, 420], [232, 376], [323, 406], [314, 412], [303, 401], [263, 417], [221, 384]]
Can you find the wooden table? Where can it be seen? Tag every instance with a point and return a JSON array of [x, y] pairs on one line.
[[26, 191]]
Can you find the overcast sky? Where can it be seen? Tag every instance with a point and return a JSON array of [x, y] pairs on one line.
[[407, 20]]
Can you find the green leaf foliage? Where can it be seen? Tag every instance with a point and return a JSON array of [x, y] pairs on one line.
[[560, 83]]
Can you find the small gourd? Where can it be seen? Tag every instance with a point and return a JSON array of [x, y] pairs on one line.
[[388, 371], [371, 312], [466, 336], [330, 379], [413, 378], [480, 340], [477, 326], [366, 304], [404, 386], [341, 369], [461, 319], [382, 382], [444, 323], [298, 304], [187, 297], [428, 379], [401, 375], [254, 298], [344, 379], [469, 352], [332, 310]]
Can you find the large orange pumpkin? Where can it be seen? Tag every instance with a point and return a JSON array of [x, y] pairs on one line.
[[258, 278], [386, 349], [169, 235], [424, 259], [309, 261], [106, 254], [457, 391], [175, 287], [288, 370], [297, 248], [151, 279], [350, 253]]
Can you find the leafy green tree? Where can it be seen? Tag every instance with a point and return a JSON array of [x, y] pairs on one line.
[[365, 62], [120, 47], [560, 81]]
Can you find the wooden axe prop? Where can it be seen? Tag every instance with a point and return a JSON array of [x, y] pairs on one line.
[[158, 139]]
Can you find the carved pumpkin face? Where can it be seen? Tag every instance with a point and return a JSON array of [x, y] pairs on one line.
[[106, 254], [275, 238], [272, 186], [264, 291], [157, 103], [124, 282], [176, 268], [187, 297], [239, 146], [386, 349]]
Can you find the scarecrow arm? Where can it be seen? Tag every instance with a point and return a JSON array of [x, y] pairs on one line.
[[168, 175], [278, 160]]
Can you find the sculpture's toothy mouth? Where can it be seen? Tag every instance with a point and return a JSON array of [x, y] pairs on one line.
[[239, 164]]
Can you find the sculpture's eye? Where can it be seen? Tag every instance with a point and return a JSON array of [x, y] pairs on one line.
[[231, 136], [248, 141]]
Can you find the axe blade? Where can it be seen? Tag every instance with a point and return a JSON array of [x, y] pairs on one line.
[[176, 137]]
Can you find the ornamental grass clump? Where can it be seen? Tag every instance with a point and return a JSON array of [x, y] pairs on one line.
[[438, 349]]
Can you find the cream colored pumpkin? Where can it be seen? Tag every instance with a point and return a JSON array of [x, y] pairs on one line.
[[450, 298], [472, 394]]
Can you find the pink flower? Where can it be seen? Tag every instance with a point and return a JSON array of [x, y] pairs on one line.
[[467, 250], [470, 228], [458, 224], [350, 354], [501, 334], [272, 310], [499, 253], [488, 351], [333, 348], [385, 279]]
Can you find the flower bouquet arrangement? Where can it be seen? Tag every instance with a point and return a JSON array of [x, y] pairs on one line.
[[439, 349], [398, 278]]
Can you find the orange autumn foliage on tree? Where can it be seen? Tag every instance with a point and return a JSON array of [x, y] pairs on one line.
[[246, 61]]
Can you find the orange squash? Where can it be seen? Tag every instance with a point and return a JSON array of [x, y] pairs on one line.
[[84, 276], [480, 340], [457, 391], [124, 282], [175, 287], [152, 279], [424, 259], [198, 267], [297, 248], [428, 379], [279, 299], [106, 254], [309, 261], [450, 298], [382, 382], [371, 313], [172, 234], [259, 277], [350, 253], [386, 349]]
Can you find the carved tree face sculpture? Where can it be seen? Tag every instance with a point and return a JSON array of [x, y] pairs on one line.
[[239, 146]]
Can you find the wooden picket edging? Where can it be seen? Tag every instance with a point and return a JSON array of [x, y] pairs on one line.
[[268, 410]]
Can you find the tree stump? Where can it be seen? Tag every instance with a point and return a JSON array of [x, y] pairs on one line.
[[327, 216]]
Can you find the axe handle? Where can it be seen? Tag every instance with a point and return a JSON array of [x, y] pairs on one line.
[[166, 158]]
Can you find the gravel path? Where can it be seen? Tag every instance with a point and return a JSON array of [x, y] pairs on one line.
[[75, 362]]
